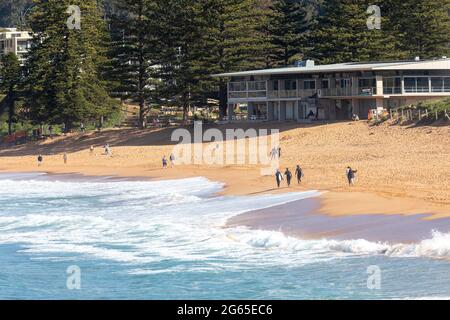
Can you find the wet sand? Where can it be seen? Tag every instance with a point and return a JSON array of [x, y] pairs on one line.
[[302, 219]]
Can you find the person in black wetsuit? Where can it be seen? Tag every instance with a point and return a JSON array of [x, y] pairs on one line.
[[288, 175], [279, 178], [351, 176], [299, 174]]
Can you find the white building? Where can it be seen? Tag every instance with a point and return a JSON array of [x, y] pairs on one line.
[[336, 91], [17, 42]]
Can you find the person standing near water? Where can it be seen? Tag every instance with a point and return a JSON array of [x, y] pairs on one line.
[[164, 162], [40, 160], [279, 178], [351, 176], [65, 158], [299, 174], [288, 175]]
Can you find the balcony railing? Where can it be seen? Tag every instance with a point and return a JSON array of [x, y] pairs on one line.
[[392, 90], [417, 89]]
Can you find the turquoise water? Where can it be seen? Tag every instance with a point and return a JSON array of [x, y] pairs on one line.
[[165, 240]]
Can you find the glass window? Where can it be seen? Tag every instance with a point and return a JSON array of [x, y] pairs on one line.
[[290, 84], [325, 84], [447, 84], [367, 83], [310, 84], [423, 84], [437, 84], [410, 84], [344, 83]]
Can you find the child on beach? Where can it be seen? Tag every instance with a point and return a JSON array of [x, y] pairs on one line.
[[164, 162]]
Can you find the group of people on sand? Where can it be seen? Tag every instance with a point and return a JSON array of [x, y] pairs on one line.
[[106, 147], [299, 174], [171, 159]]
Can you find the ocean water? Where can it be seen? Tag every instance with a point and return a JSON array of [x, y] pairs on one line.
[[166, 240]]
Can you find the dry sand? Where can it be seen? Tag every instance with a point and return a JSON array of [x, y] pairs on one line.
[[401, 169]]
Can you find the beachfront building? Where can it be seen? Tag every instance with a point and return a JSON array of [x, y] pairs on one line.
[[15, 41], [336, 91]]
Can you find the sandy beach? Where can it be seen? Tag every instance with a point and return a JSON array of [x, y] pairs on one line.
[[402, 170]]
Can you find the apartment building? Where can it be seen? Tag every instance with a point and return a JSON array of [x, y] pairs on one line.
[[336, 91], [15, 41]]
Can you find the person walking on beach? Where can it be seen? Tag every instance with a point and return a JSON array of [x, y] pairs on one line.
[[91, 150], [164, 162], [299, 174], [107, 150], [351, 176], [40, 160], [279, 178], [279, 152], [288, 175], [172, 160], [65, 157]]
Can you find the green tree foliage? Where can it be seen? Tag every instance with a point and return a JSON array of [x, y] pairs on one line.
[[64, 80], [423, 27], [342, 35], [289, 28], [233, 39], [10, 77], [179, 34], [132, 52], [13, 12]]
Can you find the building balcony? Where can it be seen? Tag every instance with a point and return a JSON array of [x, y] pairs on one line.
[[348, 92]]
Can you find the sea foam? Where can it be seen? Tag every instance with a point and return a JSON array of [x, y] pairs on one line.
[[141, 222]]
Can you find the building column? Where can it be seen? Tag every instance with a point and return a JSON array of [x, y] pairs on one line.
[[355, 107], [379, 90], [250, 109], [380, 103], [282, 111], [355, 86], [230, 112], [270, 111]]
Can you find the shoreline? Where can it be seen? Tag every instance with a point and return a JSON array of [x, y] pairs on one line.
[[305, 219], [334, 203], [302, 220]]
